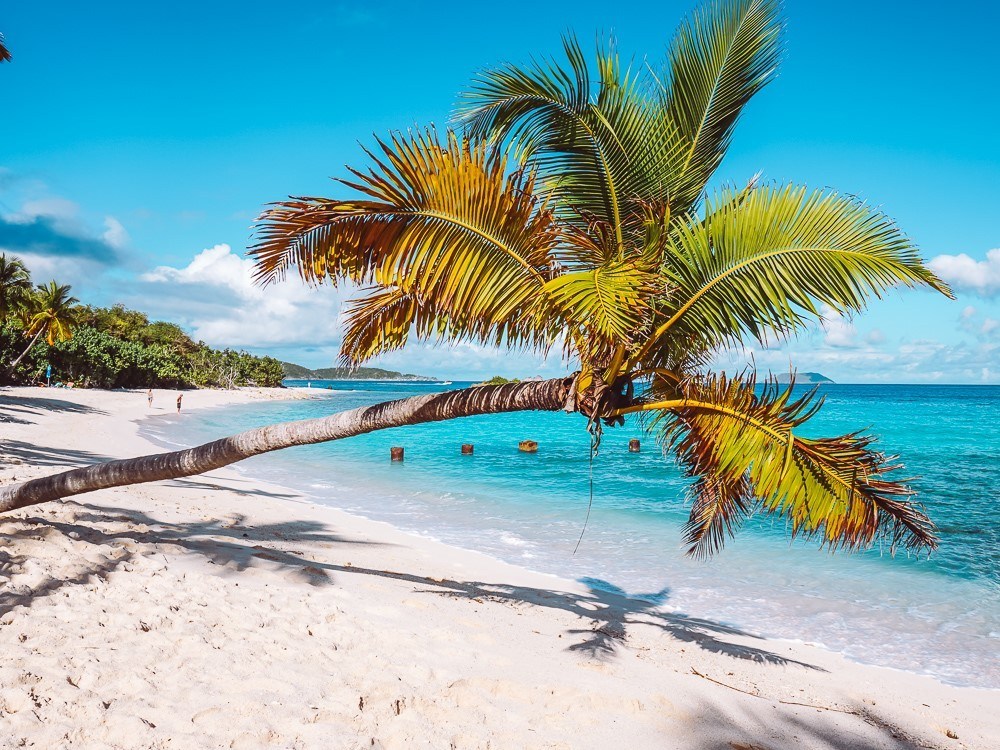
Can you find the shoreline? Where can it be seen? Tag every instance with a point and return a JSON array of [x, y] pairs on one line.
[[442, 607]]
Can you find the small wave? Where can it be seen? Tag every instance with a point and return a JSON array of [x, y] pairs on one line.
[[513, 541]]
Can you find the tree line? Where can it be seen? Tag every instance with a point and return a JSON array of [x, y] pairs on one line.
[[43, 325]]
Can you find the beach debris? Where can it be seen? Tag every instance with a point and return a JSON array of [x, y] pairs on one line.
[[528, 446], [467, 449], [396, 453], [950, 734], [633, 445]]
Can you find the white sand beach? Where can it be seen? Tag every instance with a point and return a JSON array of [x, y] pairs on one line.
[[218, 612]]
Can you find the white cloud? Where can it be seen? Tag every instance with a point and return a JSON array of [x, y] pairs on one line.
[[215, 295], [840, 331], [470, 361], [966, 274]]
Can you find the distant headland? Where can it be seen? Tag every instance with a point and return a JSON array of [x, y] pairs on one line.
[[804, 378], [298, 372]]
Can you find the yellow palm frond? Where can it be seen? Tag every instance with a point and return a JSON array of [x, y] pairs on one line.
[[443, 221], [607, 301], [739, 443], [764, 260]]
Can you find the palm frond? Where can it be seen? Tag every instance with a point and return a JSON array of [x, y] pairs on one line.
[[377, 323], [384, 319], [4, 52], [739, 443], [718, 509], [764, 260], [445, 222], [599, 154], [722, 55], [607, 301]]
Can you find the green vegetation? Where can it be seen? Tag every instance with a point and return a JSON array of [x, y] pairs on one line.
[[298, 372], [108, 347], [499, 380]]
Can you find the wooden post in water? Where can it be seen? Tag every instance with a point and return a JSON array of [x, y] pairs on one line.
[[396, 453], [467, 449], [633, 445], [528, 446]]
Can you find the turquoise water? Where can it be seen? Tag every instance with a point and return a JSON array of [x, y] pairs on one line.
[[939, 616]]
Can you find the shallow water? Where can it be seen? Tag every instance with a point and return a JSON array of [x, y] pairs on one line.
[[939, 616]]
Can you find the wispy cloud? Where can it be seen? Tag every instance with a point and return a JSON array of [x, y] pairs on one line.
[[48, 236]]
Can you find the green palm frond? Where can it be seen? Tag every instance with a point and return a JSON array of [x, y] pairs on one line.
[[739, 443], [721, 56], [765, 259], [15, 285], [600, 153], [607, 301], [446, 222]]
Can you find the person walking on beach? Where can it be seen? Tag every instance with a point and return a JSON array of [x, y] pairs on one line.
[[149, 398], [179, 397]]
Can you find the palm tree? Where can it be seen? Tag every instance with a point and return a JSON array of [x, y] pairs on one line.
[[15, 285], [4, 52], [51, 312], [569, 209]]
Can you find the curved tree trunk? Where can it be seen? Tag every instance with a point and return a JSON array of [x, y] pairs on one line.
[[545, 395], [17, 361]]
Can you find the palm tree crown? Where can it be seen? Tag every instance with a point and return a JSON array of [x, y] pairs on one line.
[[15, 285], [569, 208], [51, 312]]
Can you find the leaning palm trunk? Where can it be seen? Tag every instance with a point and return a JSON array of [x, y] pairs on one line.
[[545, 395], [27, 349]]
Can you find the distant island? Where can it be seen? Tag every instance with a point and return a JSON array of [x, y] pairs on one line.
[[298, 372], [804, 378]]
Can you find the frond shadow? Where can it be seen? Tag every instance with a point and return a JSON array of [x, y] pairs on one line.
[[744, 726], [237, 545], [40, 455], [254, 491], [11, 407]]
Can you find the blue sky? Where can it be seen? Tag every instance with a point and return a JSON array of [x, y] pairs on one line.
[[139, 140]]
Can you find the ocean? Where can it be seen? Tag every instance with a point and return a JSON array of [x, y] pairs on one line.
[[938, 616]]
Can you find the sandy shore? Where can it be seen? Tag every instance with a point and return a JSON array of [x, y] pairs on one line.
[[218, 612]]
